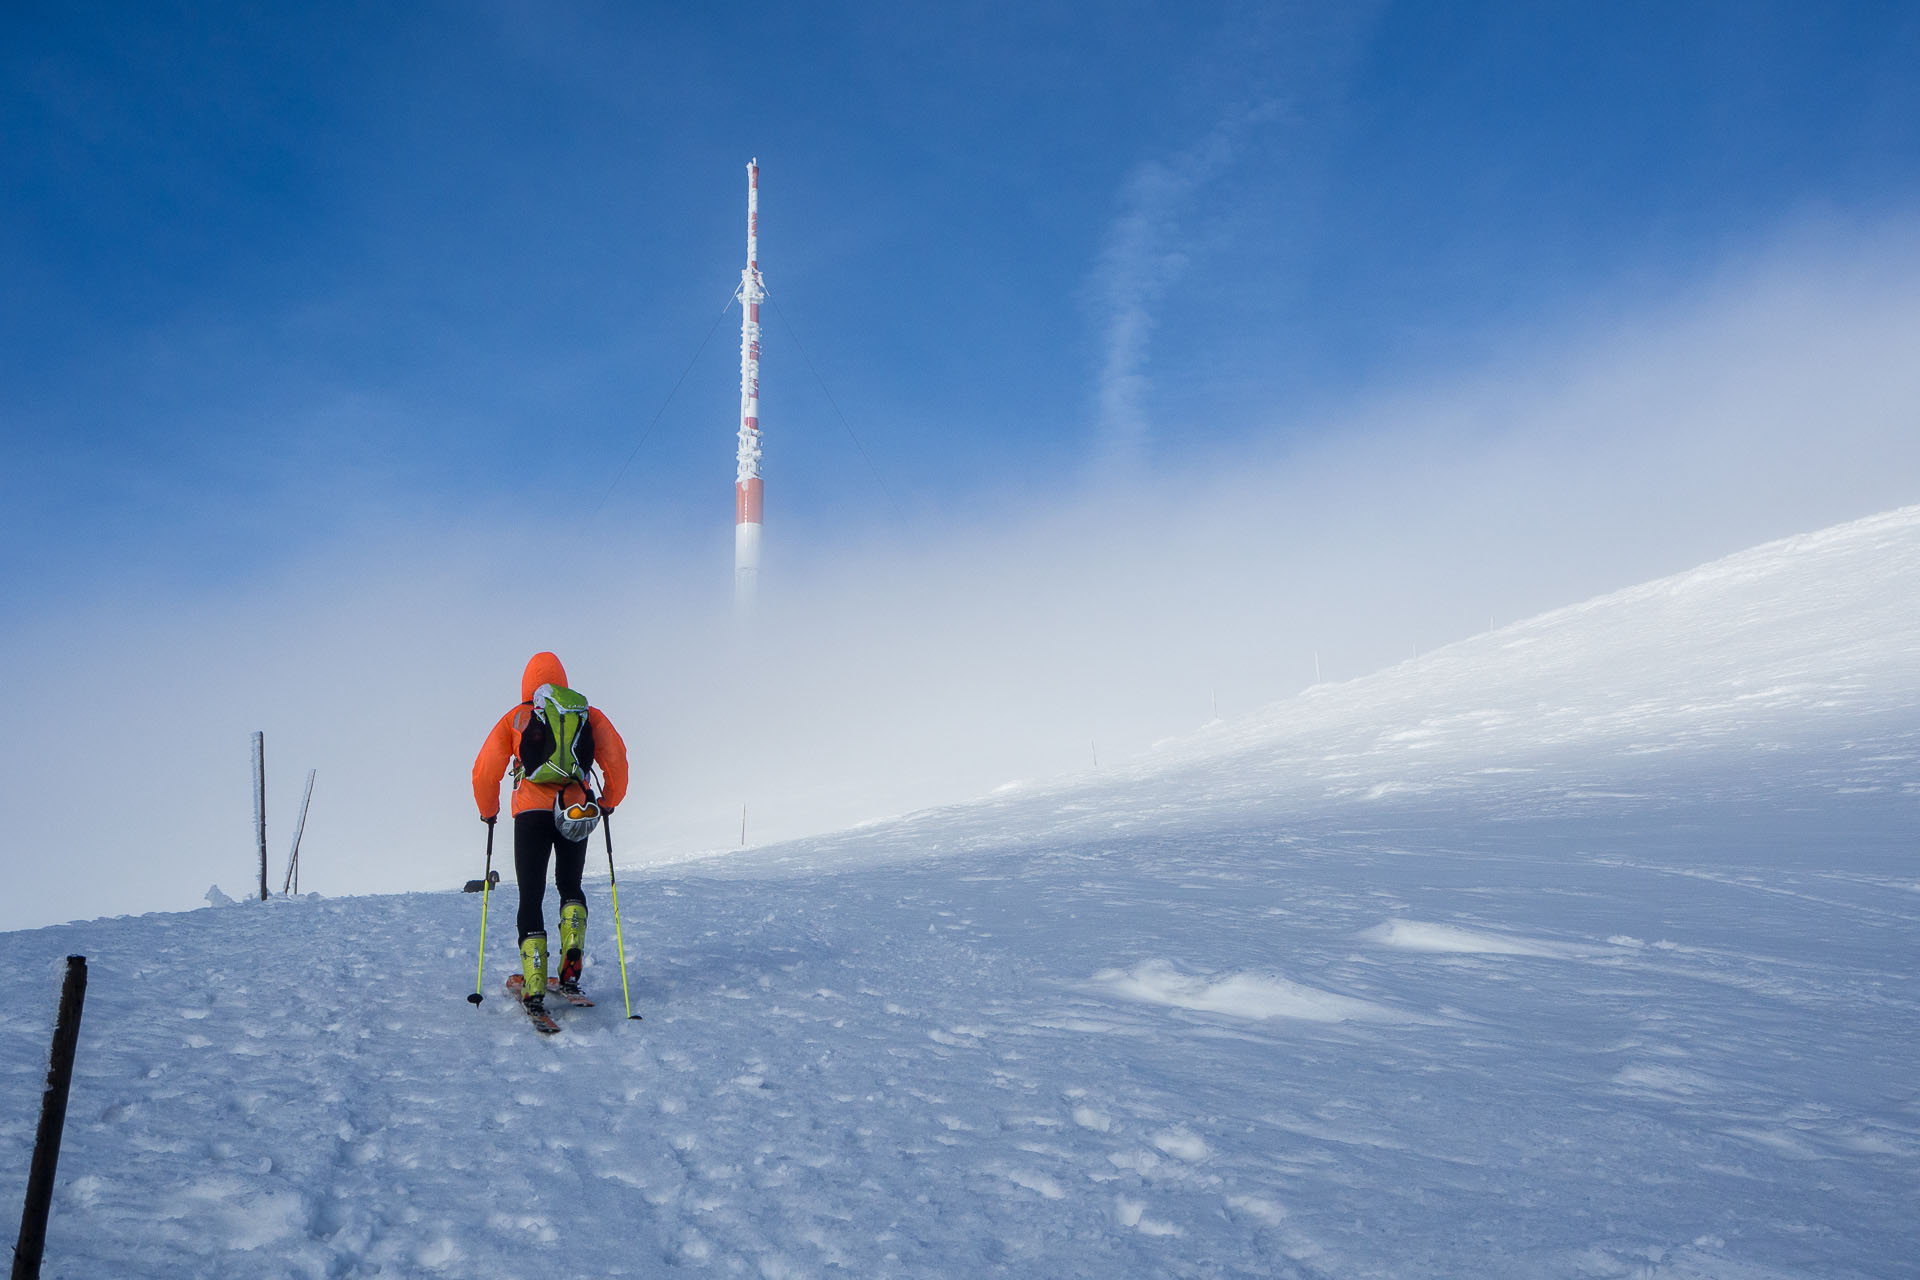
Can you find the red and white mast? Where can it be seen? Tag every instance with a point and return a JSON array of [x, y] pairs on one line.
[[746, 483]]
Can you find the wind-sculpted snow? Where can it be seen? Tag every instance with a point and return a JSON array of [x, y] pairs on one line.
[[1587, 949], [1240, 995], [1411, 935]]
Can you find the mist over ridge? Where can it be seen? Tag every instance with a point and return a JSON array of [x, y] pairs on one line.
[[893, 669]]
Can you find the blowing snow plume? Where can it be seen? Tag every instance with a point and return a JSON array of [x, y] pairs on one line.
[[1143, 257]]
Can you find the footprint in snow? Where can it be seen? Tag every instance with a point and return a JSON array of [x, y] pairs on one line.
[[1182, 1144], [1133, 1213]]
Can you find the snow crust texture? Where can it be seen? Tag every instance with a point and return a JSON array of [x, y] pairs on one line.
[[1584, 949]]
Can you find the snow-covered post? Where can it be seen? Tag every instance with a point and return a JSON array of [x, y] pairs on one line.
[[260, 805], [293, 859], [746, 481]]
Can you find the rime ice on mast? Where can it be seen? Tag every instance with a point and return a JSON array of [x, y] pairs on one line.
[[746, 483]]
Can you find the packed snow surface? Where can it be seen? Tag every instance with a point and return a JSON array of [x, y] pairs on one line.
[[1586, 948]]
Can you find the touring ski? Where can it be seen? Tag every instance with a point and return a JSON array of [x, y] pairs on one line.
[[579, 999], [542, 1020]]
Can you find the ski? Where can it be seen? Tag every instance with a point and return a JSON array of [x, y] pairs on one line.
[[516, 984], [542, 1020]]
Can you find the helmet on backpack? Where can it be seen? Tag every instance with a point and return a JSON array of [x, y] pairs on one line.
[[575, 821]]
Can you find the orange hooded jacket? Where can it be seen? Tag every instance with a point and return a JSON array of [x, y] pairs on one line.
[[503, 744]]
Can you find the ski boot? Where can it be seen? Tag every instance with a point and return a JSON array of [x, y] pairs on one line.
[[573, 940], [533, 973]]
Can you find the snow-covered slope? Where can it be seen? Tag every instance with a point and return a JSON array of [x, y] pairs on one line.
[[1585, 948], [1788, 666]]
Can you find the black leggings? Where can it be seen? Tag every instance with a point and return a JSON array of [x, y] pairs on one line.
[[534, 837]]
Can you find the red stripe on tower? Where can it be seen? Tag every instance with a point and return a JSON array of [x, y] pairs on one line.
[[747, 502]]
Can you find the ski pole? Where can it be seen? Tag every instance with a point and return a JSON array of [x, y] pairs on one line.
[[486, 891], [606, 828]]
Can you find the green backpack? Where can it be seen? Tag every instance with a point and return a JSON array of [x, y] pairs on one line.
[[556, 744]]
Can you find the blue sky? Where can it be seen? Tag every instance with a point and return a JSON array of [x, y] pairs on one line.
[[273, 274]]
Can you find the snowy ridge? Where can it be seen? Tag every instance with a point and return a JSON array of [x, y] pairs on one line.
[[1585, 948], [1808, 646]]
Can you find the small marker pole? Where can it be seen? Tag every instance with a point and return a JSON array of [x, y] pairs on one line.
[[32, 1242], [606, 829], [260, 804], [292, 884]]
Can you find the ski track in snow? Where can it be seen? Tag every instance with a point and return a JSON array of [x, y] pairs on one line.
[[1587, 966]]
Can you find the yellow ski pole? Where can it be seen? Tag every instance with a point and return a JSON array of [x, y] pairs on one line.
[[486, 891], [606, 827]]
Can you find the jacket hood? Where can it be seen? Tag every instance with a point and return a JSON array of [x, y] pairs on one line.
[[542, 668]]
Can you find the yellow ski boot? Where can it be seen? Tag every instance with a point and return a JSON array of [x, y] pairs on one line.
[[573, 941], [533, 968], [533, 981]]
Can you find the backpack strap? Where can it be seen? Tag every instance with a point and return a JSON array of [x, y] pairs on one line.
[[519, 727]]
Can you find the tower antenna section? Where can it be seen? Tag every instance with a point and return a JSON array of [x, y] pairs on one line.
[[748, 499]]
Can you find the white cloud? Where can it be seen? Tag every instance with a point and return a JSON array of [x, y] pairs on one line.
[[1144, 255]]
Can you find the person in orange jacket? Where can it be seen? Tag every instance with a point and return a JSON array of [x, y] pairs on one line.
[[536, 830]]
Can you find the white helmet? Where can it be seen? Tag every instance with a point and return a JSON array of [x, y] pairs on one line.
[[575, 821]]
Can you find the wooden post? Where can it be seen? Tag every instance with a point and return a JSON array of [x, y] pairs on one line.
[[53, 1122], [293, 859], [260, 805]]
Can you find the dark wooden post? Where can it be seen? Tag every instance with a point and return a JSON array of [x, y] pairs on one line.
[[53, 1122]]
